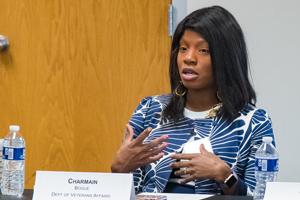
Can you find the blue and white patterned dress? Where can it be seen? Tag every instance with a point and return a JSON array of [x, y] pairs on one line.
[[234, 141]]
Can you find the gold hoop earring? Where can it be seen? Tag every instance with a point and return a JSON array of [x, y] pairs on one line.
[[178, 88]]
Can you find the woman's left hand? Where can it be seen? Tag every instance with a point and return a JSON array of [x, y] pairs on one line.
[[200, 165]]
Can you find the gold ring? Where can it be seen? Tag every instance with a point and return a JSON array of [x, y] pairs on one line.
[[184, 170]]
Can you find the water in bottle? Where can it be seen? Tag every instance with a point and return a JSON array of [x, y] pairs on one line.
[[266, 167], [13, 163]]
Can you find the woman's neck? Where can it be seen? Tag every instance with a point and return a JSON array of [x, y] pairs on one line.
[[199, 100]]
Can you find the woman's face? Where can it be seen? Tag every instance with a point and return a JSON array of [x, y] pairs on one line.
[[194, 62]]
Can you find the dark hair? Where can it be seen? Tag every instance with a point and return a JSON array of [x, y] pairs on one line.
[[229, 61]]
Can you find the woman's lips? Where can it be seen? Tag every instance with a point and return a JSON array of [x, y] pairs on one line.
[[188, 74]]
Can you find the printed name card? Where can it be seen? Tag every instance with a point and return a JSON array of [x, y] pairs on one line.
[[51, 185]]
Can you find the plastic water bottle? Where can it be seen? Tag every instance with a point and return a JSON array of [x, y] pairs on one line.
[[1, 166], [13, 163], [266, 167]]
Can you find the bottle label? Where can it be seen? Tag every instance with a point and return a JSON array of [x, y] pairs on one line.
[[10, 153], [266, 165]]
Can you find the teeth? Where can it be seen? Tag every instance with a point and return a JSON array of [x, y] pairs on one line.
[[188, 71]]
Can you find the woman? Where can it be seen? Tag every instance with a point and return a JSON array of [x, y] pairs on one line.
[[201, 138]]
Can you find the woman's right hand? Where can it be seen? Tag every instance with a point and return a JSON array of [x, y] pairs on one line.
[[133, 153]]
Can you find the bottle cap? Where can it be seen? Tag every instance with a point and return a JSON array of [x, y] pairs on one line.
[[267, 139], [14, 128]]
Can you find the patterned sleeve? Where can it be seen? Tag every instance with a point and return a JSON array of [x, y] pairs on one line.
[[144, 116], [261, 126], [140, 117]]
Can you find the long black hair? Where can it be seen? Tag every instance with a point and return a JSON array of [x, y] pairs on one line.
[[229, 61]]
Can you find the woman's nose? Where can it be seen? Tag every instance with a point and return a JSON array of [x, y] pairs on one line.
[[190, 58]]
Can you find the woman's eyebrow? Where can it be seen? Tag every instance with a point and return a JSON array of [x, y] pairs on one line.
[[199, 42]]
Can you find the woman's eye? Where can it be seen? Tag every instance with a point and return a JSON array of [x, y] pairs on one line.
[[204, 51], [182, 49]]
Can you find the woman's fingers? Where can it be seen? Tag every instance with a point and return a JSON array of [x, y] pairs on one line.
[[128, 133], [157, 150], [182, 171], [188, 179], [156, 142], [139, 140], [155, 158], [182, 156], [202, 149], [134, 153], [181, 164], [145, 160], [186, 174], [185, 156]]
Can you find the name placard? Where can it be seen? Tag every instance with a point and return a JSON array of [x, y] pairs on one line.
[[51, 185]]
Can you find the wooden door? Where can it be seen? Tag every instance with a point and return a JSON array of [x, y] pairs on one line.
[[74, 73]]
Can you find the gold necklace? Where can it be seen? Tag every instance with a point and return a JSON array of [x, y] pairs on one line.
[[211, 113]]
